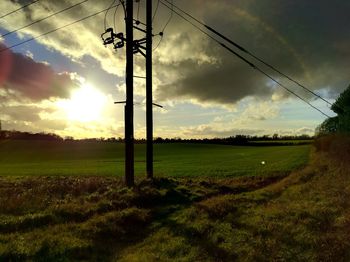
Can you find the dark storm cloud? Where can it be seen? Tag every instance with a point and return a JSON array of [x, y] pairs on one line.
[[33, 80], [308, 40], [209, 83]]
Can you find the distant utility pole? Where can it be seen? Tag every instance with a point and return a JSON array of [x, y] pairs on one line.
[[149, 102], [129, 106]]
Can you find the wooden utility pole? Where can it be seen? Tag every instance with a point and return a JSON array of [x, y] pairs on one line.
[[129, 106], [149, 102]]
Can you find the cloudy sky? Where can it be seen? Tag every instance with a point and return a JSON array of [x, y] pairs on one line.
[[66, 82]]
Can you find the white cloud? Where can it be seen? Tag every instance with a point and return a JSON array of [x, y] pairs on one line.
[[29, 54], [189, 67]]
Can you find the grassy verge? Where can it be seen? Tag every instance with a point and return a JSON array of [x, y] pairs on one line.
[[304, 216], [69, 218]]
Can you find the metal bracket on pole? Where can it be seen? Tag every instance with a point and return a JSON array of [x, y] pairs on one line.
[[157, 105]]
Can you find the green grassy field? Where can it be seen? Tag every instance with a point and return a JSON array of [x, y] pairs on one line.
[[18, 158], [303, 216]]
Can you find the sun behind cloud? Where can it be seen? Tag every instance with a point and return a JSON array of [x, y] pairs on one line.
[[86, 104]]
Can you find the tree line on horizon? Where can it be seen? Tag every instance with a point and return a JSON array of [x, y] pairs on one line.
[[237, 139]]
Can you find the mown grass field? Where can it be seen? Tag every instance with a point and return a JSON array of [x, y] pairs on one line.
[[28, 158], [303, 216]]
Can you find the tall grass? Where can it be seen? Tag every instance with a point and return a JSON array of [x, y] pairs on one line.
[[301, 216]]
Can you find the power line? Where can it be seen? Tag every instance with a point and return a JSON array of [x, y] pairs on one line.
[[138, 10], [105, 19], [165, 26], [42, 19], [160, 40], [156, 10], [268, 65], [22, 7], [246, 61], [114, 18], [54, 30], [290, 91], [170, 17], [248, 52]]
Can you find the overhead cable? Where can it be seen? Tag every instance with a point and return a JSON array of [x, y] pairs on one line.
[[247, 61], [248, 52], [42, 19], [22, 7], [165, 26], [156, 10], [105, 19], [53, 30]]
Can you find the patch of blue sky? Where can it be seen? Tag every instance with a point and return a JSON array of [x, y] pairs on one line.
[[297, 109], [88, 67]]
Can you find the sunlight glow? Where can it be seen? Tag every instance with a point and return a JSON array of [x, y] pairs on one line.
[[86, 104]]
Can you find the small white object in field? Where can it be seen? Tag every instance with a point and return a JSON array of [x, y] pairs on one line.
[[263, 162]]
